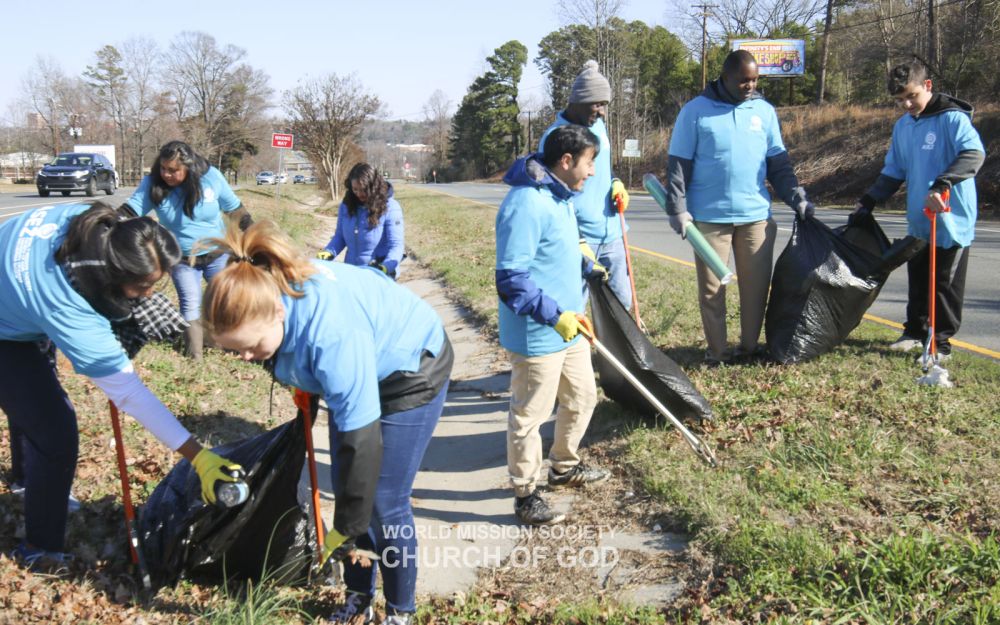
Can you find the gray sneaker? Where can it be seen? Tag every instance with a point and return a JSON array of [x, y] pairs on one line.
[[398, 619], [580, 475], [906, 344], [532, 510]]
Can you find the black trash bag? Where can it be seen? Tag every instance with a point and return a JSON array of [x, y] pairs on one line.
[[660, 375], [824, 282], [269, 535]]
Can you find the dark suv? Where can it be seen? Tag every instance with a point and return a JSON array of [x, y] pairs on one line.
[[77, 171]]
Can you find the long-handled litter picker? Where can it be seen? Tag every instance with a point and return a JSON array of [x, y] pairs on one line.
[[697, 445], [628, 264], [304, 402], [934, 373], [133, 535]]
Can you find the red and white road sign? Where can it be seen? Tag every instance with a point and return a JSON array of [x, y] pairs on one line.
[[279, 140]]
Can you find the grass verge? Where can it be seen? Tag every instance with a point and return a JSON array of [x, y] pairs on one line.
[[846, 492]]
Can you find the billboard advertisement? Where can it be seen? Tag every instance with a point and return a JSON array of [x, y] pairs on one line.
[[776, 57]]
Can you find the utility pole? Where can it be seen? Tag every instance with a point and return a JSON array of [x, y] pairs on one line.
[[704, 40], [932, 37]]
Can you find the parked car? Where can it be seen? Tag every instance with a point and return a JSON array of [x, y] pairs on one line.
[[281, 178], [77, 171], [302, 179], [265, 177]]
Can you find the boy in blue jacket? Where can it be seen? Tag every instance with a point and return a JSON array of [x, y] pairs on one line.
[[934, 149], [539, 277]]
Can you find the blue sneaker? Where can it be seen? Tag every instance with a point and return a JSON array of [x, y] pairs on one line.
[[35, 559], [72, 504]]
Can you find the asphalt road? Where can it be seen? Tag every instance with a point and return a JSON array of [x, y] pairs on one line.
[[649, 233]]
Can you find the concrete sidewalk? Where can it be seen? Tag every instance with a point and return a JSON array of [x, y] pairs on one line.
[[462, 500]]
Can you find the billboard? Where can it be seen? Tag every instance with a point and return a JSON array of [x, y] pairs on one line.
[[776, 57]]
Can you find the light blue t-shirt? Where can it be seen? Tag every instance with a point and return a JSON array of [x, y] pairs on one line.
[[596, 215], [921, 150], [728, 145], [537, 233], [353, 327], [37, 301], [217, 197]]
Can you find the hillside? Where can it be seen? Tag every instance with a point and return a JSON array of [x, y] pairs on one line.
[[838, 151]]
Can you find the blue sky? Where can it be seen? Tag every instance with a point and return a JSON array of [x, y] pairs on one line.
[[402, 51]]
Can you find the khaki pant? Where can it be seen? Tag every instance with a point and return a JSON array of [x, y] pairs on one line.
[[752, 246], [536, 383]]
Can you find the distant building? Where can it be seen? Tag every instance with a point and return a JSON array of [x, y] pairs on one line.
[[34, 121]]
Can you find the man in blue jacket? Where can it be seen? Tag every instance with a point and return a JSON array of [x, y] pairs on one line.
[[934, 149], [539, 278], [725, 144], [596, 210]]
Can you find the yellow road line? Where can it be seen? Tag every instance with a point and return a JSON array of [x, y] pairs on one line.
[[886, 322]]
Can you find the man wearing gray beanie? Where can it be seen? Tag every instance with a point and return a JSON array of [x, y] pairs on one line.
[[596, 206]]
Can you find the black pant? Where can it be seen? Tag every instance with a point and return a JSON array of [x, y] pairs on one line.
[[950, 288], [44, 439]]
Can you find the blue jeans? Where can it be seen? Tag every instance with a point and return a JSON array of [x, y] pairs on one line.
[[392, 534], [44, 439], [187, 281], [612, 256]]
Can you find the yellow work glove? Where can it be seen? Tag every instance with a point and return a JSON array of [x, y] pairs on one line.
[[333, 542], [592, 268], [212, 468], [324, 255], [570, 324], [619, 195]]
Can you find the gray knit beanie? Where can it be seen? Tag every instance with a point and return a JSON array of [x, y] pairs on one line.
[[590, 86]]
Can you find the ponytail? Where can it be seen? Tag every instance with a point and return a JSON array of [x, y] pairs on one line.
[[262, 266]]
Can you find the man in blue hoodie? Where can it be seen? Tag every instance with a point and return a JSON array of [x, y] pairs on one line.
[[596, 206], [725, 144], [934, 150], [539, 276]]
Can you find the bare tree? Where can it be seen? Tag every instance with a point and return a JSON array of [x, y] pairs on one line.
[[139, 59], [213, 89], [437, 112], [47, 95], [109, 89], [764, 18], [327, 115]]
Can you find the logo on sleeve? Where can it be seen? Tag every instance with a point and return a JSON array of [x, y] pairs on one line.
[[929, 139]]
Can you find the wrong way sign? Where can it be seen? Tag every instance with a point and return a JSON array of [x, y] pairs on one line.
[[280, 140]]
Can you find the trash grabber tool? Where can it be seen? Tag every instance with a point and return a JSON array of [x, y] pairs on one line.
[[697, 445], [628, 264], [130, 530], [304, 402], [934, 373]]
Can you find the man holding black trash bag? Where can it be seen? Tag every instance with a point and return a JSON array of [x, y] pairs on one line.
[[724, 144], [936, 151]]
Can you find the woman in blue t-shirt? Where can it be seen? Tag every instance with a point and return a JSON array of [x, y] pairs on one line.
[[379, 357], [369, 223], [189, 197], [67, 272]]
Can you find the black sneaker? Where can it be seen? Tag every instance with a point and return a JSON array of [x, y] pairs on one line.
[[357, 610], [532, 510], [580, 475]]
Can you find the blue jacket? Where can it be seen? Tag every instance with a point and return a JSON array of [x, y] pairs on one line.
[[923, 149], [721, 152], [384, 242], [596, 215], [217, 197], [539, 271], [353, 327], [37, 301]]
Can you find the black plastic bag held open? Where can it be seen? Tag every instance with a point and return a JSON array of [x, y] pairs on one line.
[[824, 282], [658, 373], [268, 535]]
